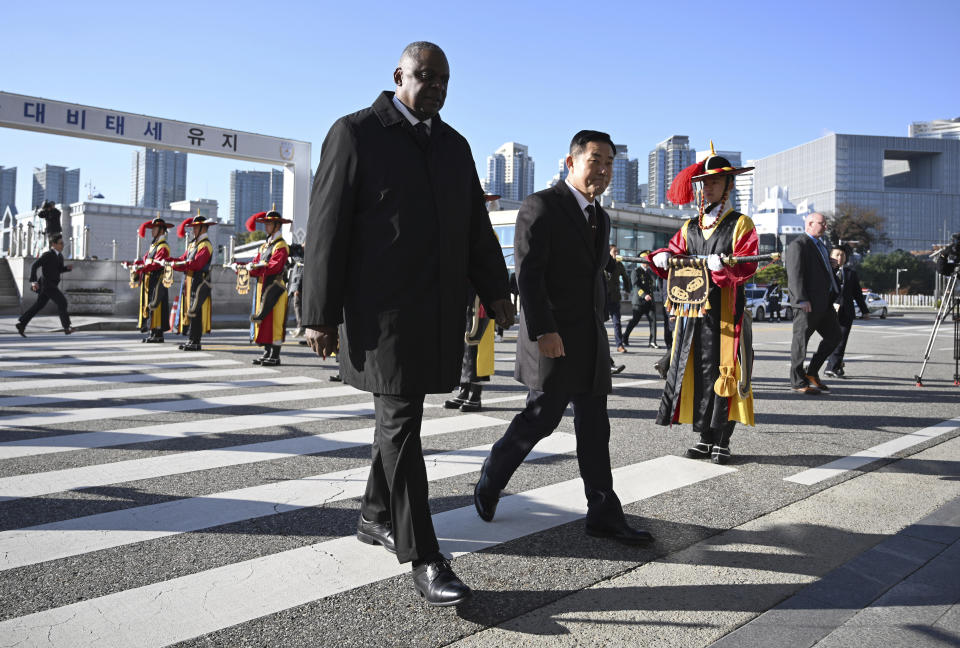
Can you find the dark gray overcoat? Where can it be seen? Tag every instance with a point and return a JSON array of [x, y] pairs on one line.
[[562, 290], [396, 233]]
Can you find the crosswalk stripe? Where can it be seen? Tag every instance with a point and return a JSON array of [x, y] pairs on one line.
[[97, 380], [57, 481], [156, 390], [523, 396], [194, 404], [78, 536], [105, 369], [115, 358], [163, 613], [882, 451], [84, 353], [146, 433]]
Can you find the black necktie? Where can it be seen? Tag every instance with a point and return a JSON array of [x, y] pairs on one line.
[[422, 135], [592, 222]]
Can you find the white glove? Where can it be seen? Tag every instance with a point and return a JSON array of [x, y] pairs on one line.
[[714, 263], [660, 259]]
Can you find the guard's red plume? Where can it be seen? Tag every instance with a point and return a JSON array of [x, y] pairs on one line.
[[252, 221], [143, 229], [182, 227], [681, 189]]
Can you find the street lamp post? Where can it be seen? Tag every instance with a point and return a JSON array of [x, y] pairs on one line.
[[899, 270]]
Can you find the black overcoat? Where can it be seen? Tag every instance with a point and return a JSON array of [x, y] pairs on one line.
[[807, 276], [850, 293], [562, 290], [396, 233]]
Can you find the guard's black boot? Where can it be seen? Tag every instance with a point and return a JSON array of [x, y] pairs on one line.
[[721, 449], [266, 354], [703, 449], [721, 455], [473, 403], [192, 345], [274, 358], [459, 399], [156, 336]]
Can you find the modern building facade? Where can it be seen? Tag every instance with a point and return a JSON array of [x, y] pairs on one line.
[[913, 182], [510, 172], [623, 185], [777, 220], [158, 178], [937, 129], [561, 173], [8, 189], [668, 159], [252, 192], [55, 183]]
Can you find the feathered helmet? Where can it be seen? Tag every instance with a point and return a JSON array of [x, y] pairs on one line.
[[681, 189], [196, 220], [272, 216], [156, 222]]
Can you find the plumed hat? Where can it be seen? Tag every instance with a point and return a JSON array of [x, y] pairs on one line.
[[156, 222], [196, 220], [681, 189], [272, 216]]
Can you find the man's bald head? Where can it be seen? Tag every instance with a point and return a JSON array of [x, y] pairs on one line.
[[421, 78]]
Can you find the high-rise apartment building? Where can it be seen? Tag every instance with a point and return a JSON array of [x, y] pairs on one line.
[[8, 189], [561, 173], [668, 159], [252, 192], [55, 183], [510, 172], [938, 129], [623, 185], [158, 178]]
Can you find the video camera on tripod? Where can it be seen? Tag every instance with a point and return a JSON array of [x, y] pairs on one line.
[[948, 263]]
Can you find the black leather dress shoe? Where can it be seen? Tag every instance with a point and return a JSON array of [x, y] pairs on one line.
[[21, 327], [376, 533], [437, 585], [621, 532], [484, 499]]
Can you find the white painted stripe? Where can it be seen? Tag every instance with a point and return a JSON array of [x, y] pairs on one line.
[[164, 613], [115, 358], [85, 353], [857, 357], [105, 369], [34, 484], [156, 390], [146, 433], [882, 451], [264, 398], [128, 526], [93, 381], [523, 396]]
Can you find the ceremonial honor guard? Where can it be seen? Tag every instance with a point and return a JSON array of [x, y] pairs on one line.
[[270, 301], [704, 383], [195, 309], [477, 358], [154, 312]]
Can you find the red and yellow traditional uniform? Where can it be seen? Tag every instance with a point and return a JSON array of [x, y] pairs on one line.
[[270, 300], [154, 312], [196, 308], [702, 384]]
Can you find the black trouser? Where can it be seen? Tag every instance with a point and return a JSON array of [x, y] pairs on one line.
[[397, 489], [644, 309], [195, 328], [297, 306], [804, 324], [48, 293], [613, 309], [538, 420], [835, 361]]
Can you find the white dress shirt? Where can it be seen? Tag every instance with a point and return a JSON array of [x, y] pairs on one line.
[[409, 115], [582, 200]]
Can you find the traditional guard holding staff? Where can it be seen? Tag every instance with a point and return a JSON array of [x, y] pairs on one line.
[[154, 278], [707, 383], [270, 301], [196, 311]]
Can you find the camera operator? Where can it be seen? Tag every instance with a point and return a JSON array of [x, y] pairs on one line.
[[51, 215], [948, 258]]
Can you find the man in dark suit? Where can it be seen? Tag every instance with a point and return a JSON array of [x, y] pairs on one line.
[[562, 351], [850, 293], [397, 231], [614, 272], [643, 299], [812, 291], [46, 285]]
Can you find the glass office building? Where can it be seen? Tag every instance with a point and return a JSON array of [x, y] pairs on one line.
[[914, 183]]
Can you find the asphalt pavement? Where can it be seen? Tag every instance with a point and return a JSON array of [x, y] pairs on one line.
[[151, 497]]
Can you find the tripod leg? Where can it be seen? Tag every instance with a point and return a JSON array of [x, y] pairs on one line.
[[945, 307]]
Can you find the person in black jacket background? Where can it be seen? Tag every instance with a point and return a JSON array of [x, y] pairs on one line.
[[850, 293], [614, 272], [644, 300], [51, 266]]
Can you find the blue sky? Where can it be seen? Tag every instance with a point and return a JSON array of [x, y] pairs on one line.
[[758, 77]]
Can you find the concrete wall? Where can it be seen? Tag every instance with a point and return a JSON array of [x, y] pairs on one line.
[[108, 274]]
